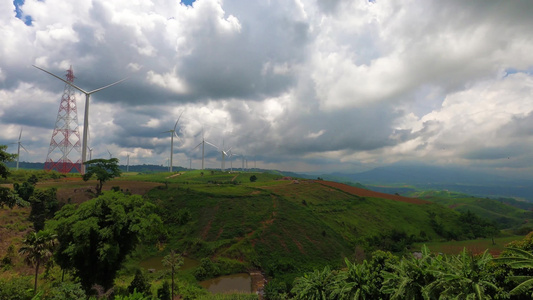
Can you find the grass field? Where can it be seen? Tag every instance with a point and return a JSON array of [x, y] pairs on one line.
[[475, 246]]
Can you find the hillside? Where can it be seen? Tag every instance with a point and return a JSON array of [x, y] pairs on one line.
[[504, 214], [287, 226], [279, 225]]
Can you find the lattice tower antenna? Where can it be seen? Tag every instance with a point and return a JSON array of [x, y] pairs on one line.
[[65, 145]]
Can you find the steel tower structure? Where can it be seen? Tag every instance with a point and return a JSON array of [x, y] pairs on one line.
[[65, 145]]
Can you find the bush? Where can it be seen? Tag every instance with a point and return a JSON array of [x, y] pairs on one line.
[[19, 288], [67, 291], [139, 284], [163, 293]]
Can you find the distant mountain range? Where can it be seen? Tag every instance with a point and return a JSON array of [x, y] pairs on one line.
[[403, 179]]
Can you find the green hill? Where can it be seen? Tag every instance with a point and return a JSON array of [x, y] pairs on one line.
[[504, 214], [289, 226]]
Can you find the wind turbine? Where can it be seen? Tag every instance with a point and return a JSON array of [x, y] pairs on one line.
[[86, 116], [203, 142], [224, 153], [230, 161], [128, 163], [90, 152], [172, 134], [110, 155], [18, 148]]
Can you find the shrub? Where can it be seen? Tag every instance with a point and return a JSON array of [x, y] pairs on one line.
[[139, 284]]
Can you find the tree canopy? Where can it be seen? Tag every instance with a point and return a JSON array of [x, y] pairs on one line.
[[96, 237], [7, 196], [103, 169]]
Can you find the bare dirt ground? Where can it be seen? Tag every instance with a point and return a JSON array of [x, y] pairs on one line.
[[367, 193], [77, 190]]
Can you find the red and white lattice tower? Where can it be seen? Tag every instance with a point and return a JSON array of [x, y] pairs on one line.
[[65, 145]]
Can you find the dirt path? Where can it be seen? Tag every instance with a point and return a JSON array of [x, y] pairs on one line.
[[172, 176], [258, 282]]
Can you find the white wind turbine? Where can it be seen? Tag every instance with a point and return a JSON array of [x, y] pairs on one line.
[[223, 153], [86, 116], [172, 134], [90, 152], [110, 155], [203, 142], [230, 160], [18, 148]]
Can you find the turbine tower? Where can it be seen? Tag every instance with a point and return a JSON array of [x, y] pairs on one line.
[[223, 153], [203, 142], [19, 144], [64, 151], [172, 134], [86, 117]]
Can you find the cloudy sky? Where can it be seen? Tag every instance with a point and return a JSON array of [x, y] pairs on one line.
[[301, 85]]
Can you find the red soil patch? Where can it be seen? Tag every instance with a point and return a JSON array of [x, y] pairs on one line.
[[76, 190], [367, 193]]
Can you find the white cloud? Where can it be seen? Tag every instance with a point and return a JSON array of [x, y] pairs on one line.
[[298, 84]]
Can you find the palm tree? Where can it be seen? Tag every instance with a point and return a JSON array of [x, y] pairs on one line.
[[519, 259], [174, 261], [314, 286], [354, 283], [464, 276], [38, 248], [408, 279]]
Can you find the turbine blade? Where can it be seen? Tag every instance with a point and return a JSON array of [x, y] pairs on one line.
[[23, 148], [109, 85], [196, 146], [177, 136], [69, 83], [211, 144], [178, 121], [20, 135]]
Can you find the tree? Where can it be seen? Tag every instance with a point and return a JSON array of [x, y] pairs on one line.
[[7, 196], [354, 283], [407, 279], [253, 178], [38, 247], [44, 204], [162, 292], [464, 276], [519, 259], [5, 157], [139, 284], [174, 261], [96, 237], [314, 286], [103, 169]]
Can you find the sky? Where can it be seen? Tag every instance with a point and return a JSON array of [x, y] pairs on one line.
[[294, 85]]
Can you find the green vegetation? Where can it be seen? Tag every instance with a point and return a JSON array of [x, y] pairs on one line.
[[103, 169], [95, 238], [174, 261], [38, 249], [506, 214], [230, 224]]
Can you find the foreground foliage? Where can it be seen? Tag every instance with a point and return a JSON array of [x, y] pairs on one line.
[[96, 237], [428, 276]]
